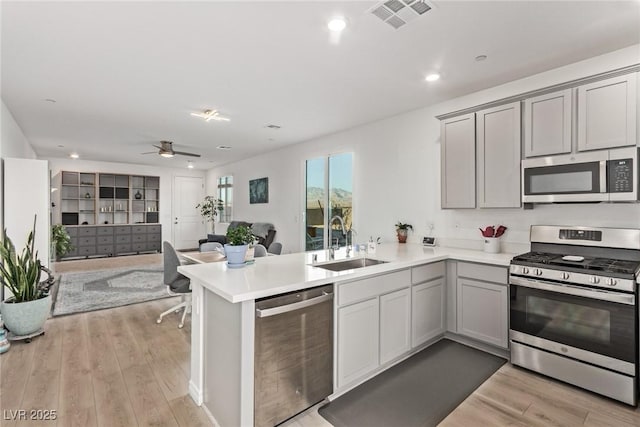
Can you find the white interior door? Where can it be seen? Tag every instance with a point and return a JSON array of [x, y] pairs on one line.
[[188, 225]]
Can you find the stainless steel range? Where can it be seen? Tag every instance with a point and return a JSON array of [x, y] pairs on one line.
[[574, 308]]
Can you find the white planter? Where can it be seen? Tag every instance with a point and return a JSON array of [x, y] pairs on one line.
[[25, 318], [492, 245], [235, 254]]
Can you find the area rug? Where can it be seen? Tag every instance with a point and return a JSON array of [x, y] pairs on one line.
[[420, 391], [96, 290]]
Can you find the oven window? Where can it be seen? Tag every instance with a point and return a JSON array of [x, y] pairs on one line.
[[575, 178], [569, 182], [598, 326], [582, 322]]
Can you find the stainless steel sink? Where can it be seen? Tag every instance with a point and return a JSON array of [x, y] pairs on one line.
[[349, 264]]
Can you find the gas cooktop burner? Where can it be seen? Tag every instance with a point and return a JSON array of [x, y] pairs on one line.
[[605, 265]]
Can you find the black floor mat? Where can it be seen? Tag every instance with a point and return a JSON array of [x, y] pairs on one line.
[[420, 391]]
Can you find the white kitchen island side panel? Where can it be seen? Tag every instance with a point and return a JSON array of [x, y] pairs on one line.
[[224, 366]]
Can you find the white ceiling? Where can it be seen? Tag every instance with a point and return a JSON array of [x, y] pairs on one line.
[[126, 75]]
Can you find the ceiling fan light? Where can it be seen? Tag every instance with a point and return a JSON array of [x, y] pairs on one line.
[[167, 154]]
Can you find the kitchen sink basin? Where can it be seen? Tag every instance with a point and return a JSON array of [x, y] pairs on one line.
[[350, 264]]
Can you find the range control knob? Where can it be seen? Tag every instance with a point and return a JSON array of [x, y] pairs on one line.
[[537, 272], [525, 270], [565, 276], [611, 282], [594, 279]]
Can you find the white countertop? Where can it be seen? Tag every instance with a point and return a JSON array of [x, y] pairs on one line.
[[285, 273]]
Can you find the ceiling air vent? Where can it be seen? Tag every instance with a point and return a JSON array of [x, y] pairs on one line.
[[399, 12]]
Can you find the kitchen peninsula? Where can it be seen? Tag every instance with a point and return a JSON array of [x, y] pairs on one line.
[[223, 317]]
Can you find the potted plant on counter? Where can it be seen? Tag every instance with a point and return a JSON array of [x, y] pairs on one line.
[[238, 241], [402, 230], [25, 312]]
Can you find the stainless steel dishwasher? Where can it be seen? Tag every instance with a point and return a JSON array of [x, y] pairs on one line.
[[293, 353]]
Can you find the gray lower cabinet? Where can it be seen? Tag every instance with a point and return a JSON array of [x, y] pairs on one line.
[[110, 240], [482, 303], [427, 302]]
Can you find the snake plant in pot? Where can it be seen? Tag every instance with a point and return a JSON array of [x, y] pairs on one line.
[[28, 308], [238, 241]]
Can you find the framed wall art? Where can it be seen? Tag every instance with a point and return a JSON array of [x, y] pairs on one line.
[[259, 190]]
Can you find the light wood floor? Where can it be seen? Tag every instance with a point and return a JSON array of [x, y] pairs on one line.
[[117, 367], [105, 263]]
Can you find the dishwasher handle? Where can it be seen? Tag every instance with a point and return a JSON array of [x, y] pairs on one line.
[[294, 306]]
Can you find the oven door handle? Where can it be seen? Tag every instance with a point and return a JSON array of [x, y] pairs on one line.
[[628, 299]]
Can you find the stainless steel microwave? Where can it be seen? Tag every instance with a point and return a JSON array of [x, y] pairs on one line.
[[596, 176]]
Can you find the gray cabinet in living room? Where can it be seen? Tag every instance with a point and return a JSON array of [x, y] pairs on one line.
[[110, 240]]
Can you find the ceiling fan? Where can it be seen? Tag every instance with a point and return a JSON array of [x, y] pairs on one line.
[[166, 150], [211, 115]]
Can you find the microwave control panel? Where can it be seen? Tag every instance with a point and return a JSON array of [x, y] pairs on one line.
[[620, 175]]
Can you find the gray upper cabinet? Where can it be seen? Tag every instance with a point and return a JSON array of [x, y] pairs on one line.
[[607, 113], [498, 139], [458, 160], [547, 124]]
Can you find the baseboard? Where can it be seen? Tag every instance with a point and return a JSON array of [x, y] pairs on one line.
[[384, 367], [210, 416], [487, 348], [195, 393]]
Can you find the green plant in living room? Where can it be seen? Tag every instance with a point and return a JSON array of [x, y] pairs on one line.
[[24, 312], [60, 241], [402, 230], [210, 207]]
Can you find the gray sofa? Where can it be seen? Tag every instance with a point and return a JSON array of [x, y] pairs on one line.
[[263, 231]]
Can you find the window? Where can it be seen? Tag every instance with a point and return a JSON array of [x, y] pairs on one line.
[[225, 193], [329, 187]]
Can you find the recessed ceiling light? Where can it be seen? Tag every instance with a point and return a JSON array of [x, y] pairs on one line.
[[190, 165], [337, 24], [273, 126], [223, 147], [60, 146], [74, 155], [51, 100], [432, 77], [481, 58]]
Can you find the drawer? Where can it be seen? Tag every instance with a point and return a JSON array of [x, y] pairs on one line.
[[139, 247], [86, 241], [488, 273], [105, 231], [105, 249], [137, 238], [427, 272], [72, 231], [73, 252], [373, 286], [86, 231], [155, 237], [105, 240], [123, 230], [123, 249], [86, 250], [154, 229], [153, 246], [123, 239], [138, 229]]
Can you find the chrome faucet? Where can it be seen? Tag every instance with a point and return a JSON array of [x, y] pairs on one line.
[[344, 233]]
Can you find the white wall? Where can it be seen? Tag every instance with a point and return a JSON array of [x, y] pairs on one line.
[[397, 175], [166, 183]]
